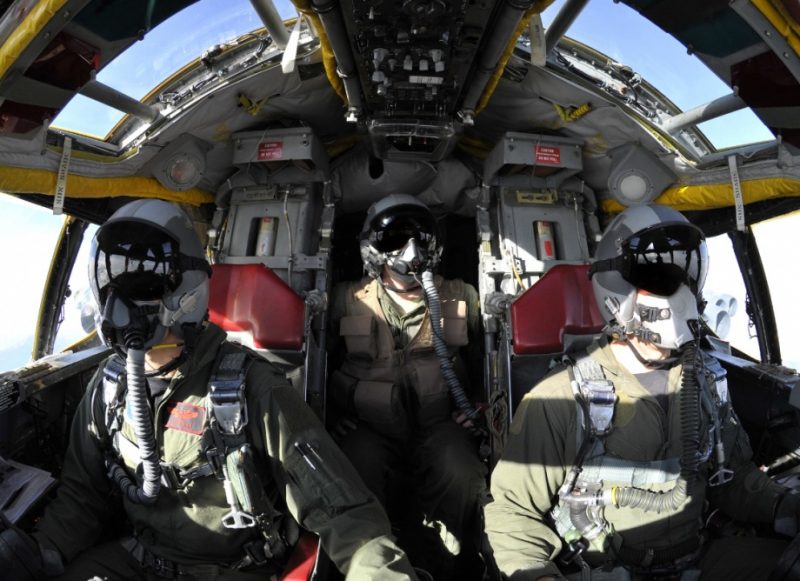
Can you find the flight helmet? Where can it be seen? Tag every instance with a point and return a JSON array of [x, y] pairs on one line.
[[148, 274], [400, 232], [650, 267]]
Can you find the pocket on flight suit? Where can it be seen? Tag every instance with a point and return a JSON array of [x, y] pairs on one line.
[[431, 389], [358, 332], [319, 486], [454, 323], [380, 404]]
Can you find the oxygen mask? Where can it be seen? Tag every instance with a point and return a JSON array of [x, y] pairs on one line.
[[408, 262], [667, 321], [129, 324]]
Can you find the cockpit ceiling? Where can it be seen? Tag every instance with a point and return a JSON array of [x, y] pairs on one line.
[[242, 88]]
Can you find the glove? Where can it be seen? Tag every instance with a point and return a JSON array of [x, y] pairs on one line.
[[474, 427], [787, 514], [20, 556]]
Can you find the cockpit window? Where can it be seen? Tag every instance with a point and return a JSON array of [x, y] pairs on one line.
[[726, 298], [35, 229], [169, 46], [621, 33], [776, 240]]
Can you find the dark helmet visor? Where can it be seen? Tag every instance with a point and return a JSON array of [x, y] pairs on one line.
[[139, 260], [664, 257], [661, 258], [391, 232]]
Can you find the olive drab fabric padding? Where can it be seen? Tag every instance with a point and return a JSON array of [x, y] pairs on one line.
[[561, 302], [251, 298]]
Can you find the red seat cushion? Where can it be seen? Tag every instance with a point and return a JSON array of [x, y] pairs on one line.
[[560, 302], [252, 298]]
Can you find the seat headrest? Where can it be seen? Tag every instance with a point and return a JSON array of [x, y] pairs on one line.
[[560, 303], [251, 298]]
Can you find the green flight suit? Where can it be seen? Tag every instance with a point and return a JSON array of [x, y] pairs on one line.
[[406, 444], [184, 525], [542, 446]]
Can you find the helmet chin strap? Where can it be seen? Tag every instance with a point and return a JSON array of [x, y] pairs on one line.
[[652, 363]]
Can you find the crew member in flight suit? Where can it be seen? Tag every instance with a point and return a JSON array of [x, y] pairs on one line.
[[612, 458], [410, 421], [204, 449]]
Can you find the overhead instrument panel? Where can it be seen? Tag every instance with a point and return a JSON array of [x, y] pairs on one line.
[[413, 57], [414, 71]]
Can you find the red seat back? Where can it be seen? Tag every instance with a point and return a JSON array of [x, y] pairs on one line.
[[561, 302], [252, 298]]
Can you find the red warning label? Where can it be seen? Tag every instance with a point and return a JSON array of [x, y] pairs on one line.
[[547, 154], [269, 150]]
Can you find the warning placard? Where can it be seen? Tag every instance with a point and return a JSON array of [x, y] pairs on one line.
[[547, 154], [270, 150]]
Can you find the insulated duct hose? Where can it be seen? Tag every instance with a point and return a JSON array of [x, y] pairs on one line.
[[136, 403], [689, 399], [449, 374]]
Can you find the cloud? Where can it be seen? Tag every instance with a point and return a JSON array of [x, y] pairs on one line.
[[30, 233]]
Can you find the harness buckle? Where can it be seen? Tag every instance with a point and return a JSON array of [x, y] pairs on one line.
[[216, 461], [164, 567], [575, 549], [226, 398], [170, 477], [601, 397]]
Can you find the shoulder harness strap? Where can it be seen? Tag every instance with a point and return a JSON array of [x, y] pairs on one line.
[[226, 399], [598, 394], [113, 392]]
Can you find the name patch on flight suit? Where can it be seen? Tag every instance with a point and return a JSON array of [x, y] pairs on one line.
[[186, 417]]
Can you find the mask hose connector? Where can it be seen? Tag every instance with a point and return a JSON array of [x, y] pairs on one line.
[[435, 311], [136, 403]]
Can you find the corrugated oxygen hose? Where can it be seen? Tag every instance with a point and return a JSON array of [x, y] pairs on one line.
[[136, 402], [435, 311]]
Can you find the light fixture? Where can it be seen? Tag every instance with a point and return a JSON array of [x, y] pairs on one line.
[[637, 176], [182, 164]]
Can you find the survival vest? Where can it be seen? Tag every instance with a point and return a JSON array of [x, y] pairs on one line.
[[397, 389], [223, 443]]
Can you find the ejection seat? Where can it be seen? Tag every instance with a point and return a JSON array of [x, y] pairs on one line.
[[536, 222], [270, 243]]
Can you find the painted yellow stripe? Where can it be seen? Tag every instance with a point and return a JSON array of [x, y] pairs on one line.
[[15, 180], [53, 260], [714, 196], [491, 85], [328, 58], [28, 29], [783, 22]]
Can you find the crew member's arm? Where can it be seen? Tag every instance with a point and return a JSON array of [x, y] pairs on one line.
[[751, 496], [321, 488], [73, 521], [525, 483]]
